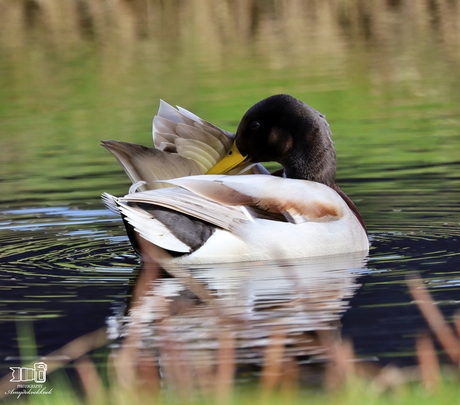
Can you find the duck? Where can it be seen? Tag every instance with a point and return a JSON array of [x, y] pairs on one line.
[[202, 195]]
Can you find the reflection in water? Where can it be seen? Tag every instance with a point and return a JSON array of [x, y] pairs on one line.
[[250, 301]]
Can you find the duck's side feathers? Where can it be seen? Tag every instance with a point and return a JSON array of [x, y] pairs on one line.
[[188, 203], [152, 229], [297, 200]]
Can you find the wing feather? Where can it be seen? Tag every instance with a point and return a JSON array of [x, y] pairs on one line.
[[185, 145], [148, 164], [297, 200], [152, 230], [186, 202]]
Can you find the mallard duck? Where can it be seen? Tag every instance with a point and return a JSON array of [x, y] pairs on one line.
[[205, 198]]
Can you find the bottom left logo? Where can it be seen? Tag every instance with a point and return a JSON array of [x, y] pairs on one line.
[[26, 374]]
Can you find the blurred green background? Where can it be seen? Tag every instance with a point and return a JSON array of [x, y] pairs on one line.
[[386, 74]]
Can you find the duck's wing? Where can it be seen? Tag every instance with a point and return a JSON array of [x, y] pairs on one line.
[[175, 219], [182, 132], [186, 202], [149, 164], [296, 200], [185, 145], [181, 219]]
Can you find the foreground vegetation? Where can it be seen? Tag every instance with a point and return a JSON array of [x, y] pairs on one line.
[[388, 388], [357, 392]]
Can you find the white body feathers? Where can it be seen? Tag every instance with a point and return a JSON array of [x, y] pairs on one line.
[[257, 217]]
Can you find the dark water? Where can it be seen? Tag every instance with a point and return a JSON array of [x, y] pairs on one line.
[[389, 87]]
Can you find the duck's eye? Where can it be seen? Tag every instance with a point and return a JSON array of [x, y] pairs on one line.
[[254, 125]]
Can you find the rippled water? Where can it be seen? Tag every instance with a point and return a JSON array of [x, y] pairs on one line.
[[391, 97], [64, 270]]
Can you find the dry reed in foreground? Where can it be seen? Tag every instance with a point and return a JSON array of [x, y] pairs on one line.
[[217, 380]]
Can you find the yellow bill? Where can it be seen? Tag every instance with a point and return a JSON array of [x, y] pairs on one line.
[[232, 159]]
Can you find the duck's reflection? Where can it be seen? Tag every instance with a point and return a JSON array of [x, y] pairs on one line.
[[247, 303]]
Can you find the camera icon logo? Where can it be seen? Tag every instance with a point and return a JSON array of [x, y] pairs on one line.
[[25, 374]]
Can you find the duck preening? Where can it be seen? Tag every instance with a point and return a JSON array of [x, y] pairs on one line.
[[204, 196]]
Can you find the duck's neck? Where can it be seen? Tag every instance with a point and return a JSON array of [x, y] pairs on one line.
[[314, 164]]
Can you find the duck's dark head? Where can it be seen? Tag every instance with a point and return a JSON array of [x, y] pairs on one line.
[[283, 129]]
